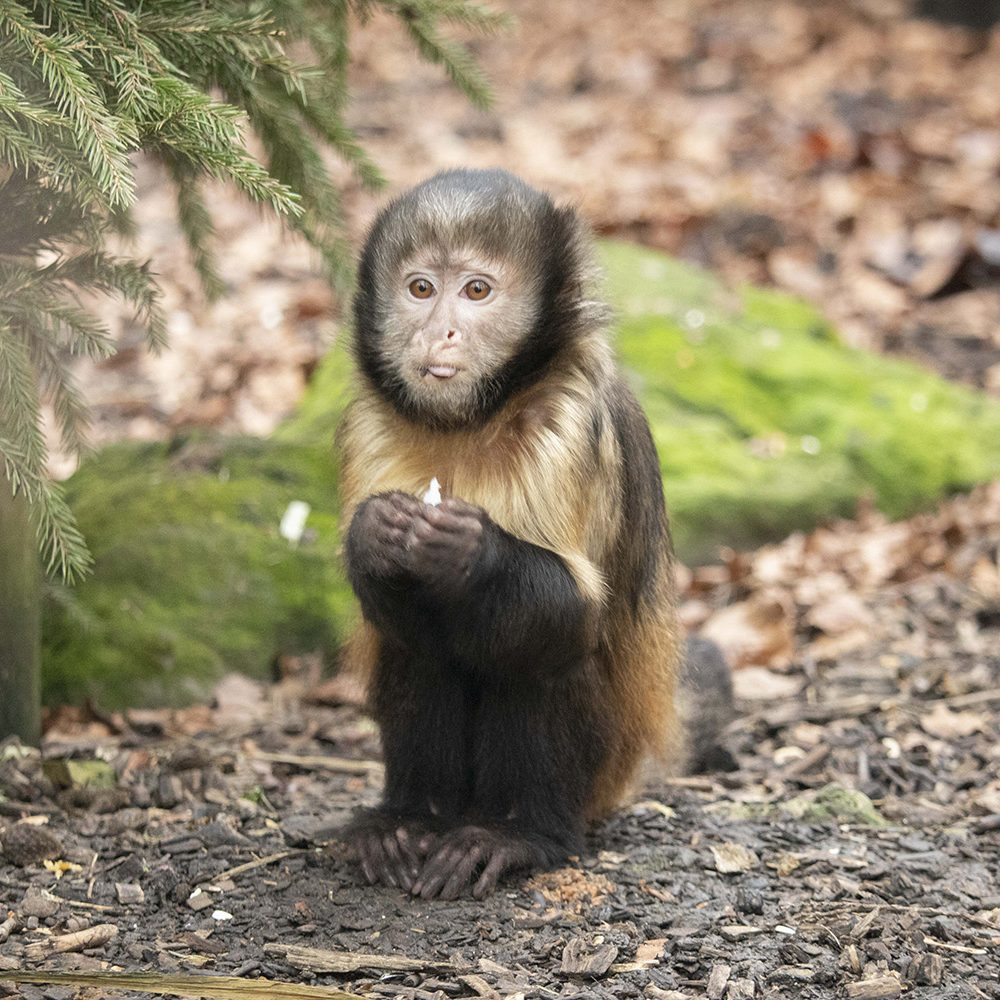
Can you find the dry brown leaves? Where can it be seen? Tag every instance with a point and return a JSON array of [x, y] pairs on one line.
[[572, 888], [811, 591]]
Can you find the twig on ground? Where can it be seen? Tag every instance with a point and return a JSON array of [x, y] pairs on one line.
[[321, 960], [208, 987]]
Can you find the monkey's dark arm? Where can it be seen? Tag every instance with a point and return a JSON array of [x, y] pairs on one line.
[[520, 611]]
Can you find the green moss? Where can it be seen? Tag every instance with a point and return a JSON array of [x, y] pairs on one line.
[[316, 418], [764, 422], [192, 578], [834, 803]]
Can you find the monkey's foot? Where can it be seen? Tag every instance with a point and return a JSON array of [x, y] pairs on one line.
[[477, 857], [391, 850]]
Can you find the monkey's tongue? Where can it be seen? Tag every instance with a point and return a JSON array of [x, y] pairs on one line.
[[442, 371]]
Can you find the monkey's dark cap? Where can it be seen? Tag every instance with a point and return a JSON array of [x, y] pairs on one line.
[[492, 210]]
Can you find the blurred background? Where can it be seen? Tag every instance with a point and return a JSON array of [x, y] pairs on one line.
[[799, 213], [845, 152]]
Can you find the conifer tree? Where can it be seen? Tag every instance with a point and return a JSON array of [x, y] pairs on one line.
[[84, 84]]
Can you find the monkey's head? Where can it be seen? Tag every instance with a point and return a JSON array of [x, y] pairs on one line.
[[470, 286]]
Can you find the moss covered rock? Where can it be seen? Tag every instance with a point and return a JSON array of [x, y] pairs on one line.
[[192, 578], [764, 422]]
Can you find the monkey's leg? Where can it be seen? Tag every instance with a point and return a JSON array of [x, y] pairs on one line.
[[423, 713], [537, 749]]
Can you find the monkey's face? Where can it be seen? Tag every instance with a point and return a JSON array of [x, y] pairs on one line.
[[454, 319], [470, 285]]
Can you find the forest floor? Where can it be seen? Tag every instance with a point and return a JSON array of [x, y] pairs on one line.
[[856, 850]]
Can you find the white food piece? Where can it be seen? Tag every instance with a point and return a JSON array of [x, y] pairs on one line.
[[293, 521], [433, 494]]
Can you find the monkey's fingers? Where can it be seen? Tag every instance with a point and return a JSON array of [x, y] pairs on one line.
[[453, 522], [367, 853], [392, 518], [453, 505], [396, 864], [389, 535], [461, 875], [426, 844], [437, 870], [414, 848], [401, 500], [503, 860]]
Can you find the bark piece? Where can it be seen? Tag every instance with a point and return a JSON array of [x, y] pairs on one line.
[[28, 843], [879, 988], [321, 960], [718, 979], [129, 893], [580, 958], [730, 858], [89, 937]]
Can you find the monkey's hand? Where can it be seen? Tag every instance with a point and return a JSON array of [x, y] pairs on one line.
[[391, 850], [394, 535], [445, 543], [377, 539]]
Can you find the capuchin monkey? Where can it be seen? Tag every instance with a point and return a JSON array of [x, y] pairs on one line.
[[520, 637]]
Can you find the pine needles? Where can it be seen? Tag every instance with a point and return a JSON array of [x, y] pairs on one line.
[[86, 83]]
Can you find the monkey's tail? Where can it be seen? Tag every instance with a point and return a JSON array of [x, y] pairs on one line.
[[706, 706]]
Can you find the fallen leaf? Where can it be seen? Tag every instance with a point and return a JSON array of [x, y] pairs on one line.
[[731, 858], [946, 724], [760, 630], [761, 684], [840, 613]]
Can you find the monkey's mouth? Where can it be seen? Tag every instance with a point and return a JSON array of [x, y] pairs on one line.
[[439, 371]]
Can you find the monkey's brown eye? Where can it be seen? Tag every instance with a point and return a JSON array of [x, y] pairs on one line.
[[421, 288], [477, 289]]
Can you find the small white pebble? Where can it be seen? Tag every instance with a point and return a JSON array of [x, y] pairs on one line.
[[433, 494], [271, 316], [293, 521], [782, 929], [221, 915], [694, 318]]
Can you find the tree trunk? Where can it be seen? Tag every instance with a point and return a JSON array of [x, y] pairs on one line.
[[20, 638]]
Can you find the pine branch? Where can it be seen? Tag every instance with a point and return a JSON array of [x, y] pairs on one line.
[[86, 83], [20, 412], [452, 57], [102, 136], [476, 16], [196, 224], [58, 384], [204, 134]]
